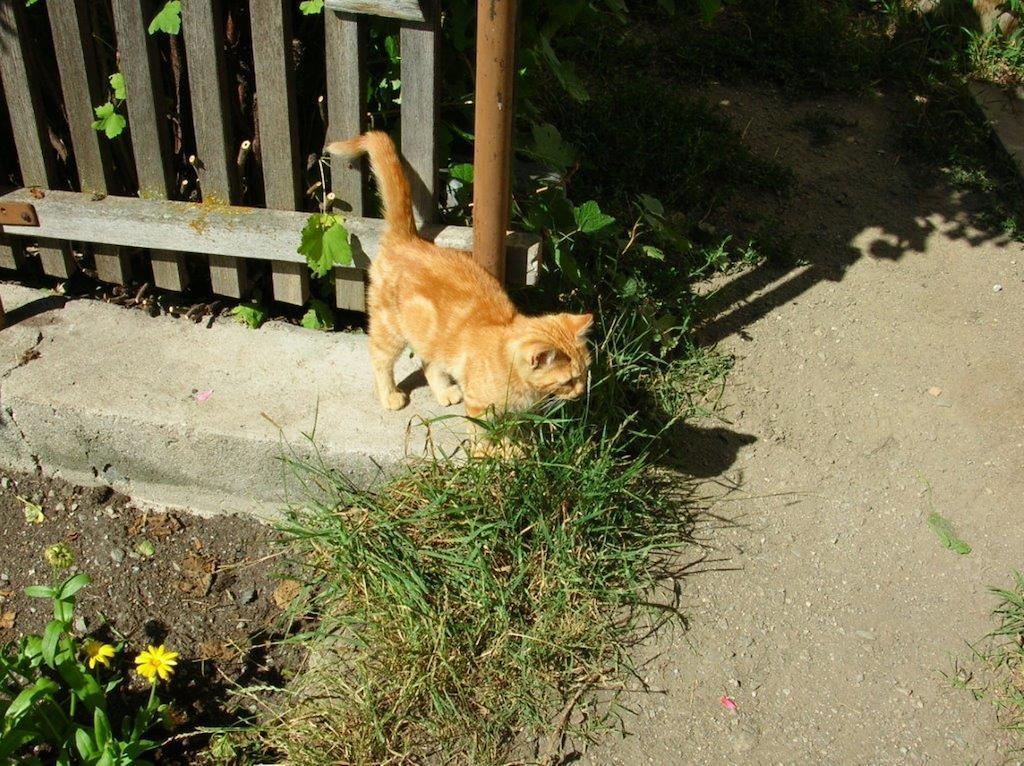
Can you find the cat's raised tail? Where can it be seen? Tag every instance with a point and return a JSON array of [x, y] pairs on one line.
[[387, 167]]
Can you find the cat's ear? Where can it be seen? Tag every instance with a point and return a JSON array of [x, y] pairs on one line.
[[541, 356], [580, 323]]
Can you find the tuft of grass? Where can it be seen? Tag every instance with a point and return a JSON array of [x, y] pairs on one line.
[[472, 606], [1000, 677]]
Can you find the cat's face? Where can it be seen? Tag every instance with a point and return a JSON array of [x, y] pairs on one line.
[[554, 359]]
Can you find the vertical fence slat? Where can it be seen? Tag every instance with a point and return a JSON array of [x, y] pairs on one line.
[[279, 140], [345, 37], [418, 45], [149, 127], [76, 62], [28, 122], [211, 115]]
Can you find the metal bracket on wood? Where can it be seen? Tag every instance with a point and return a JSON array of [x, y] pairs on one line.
[[18, 214]]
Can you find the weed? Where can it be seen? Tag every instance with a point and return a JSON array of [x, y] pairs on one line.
[[997, 670], [466, 602]]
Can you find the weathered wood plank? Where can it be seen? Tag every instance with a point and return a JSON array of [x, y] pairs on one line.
[[345, 37], [12, 252], [81, 87], [350, 288], [409, 10], [202, 25], [418, 44], [24, 103], [150, 129], [279, 140], [226, 231]]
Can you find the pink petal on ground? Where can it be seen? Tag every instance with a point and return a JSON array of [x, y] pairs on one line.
[[202, 396], [728, 703]]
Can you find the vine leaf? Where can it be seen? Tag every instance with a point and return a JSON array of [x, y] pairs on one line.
[[168, 19], [590, 219], [311, 7], [564, 73], [109, 121], [250, 314], [117, 83], [325, 243], [319, 317]]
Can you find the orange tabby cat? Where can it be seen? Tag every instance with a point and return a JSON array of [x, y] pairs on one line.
[[474, 344]]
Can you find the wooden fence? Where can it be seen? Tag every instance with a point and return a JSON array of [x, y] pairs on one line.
[[230, 236]]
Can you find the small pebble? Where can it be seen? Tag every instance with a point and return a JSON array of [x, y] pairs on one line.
[[997, 288], [5, 482], [80, 624], [117, 555]]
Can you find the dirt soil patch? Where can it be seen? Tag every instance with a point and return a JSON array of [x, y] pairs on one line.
[[879, 379], [212, 589]]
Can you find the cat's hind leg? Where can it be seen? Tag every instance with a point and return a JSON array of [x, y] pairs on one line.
[[385, 348], [445, 390]]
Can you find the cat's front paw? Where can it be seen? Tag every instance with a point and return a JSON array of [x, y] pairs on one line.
[[395, 400], [451, 395]]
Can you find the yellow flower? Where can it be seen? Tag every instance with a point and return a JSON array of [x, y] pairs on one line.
[[156, 662], [97, 653]]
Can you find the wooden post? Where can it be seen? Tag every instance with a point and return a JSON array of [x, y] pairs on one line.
[[492, 146], [31, 140], [279, 131], [150, 129], [216, 166], [82, 87]]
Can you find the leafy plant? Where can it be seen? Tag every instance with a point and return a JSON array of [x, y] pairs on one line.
[[167, 19], [108, 120], [320, 316], [53, 704], [325, 243], [311, 7], [252, 315]]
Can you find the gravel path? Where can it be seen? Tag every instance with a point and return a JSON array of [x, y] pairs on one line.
[[880, 383]]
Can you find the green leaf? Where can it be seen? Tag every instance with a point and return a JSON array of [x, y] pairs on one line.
[[319, 317], [145, 547], [51, 638], [249, 314], [568, 266], [653, 252], [81, 683], [73, 585], [462, 172], [325, 243], [117, 83], [652, 205], [40, 591], [109, 121], [83, 741], [590, 219], [41, 688], [944, 531], [311, 7], [101, 725], [564, 73], [549, 147], [168, 19]]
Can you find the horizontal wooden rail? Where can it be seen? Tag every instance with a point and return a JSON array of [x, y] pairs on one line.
[[232, 231], [407, 10]]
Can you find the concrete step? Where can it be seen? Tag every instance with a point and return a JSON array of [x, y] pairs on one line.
[[99, 394]]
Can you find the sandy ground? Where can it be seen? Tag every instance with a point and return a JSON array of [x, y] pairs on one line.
[[828, 609]]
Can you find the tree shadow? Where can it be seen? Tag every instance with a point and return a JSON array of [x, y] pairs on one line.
[[866, 216]]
